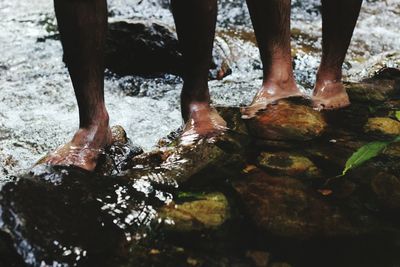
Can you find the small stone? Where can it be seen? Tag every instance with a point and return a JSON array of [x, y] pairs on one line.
[[198, 212], [287, 121], [119, 135], [283, 163], [382, 127]]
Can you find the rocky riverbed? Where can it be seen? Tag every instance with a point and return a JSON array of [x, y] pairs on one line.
[[271, 191], [277, 190]]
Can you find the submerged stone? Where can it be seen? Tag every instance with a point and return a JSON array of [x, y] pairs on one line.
[[382, 127], [387, 189], [285, 207], [287, 121], [283, 163], [195, 212]]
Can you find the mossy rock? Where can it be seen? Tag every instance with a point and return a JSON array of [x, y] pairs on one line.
[[373, 91], [283, 163], [196, 212], [382, 127], [287, 121], [286, 207]]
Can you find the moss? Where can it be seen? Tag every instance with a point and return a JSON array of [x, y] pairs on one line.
[[201, 212]]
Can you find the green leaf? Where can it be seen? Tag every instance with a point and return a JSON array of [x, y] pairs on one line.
[[364, 154], [397, 114]]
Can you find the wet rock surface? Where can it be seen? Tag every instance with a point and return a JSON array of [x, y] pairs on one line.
[[208, 204], [287, 121], [139, 47], [288, 164]]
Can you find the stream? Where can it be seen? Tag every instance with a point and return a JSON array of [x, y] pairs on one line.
[[258, 196]]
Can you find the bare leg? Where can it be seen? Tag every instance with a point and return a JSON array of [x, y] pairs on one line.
[[271, 22], [195, 22], [83, 25], [339, 18]]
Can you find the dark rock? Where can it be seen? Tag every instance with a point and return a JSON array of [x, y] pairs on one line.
[[69, 216], [233, 118], [115, 157], [285, 207], [182, 163], [142, 47], [287, 121], [373, 90], [387, 189], [151, 48]]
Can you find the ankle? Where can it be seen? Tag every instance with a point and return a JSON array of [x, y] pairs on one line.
[[329, 76], [98, 119], [283, 81]]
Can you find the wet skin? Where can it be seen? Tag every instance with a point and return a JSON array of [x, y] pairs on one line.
[[83, 150], [83, 25], [203, 122], [271, 21], [195, 22], [330, 95]]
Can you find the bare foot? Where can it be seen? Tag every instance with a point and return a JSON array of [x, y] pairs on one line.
[[329, 95], [83, 150], [203, 122], [269, 93]]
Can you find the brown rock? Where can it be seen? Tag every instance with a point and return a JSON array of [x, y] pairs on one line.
[[372, 90], [382, 127], [287, 121], [119, 135], [283, 163], [203, 211], [285, 207]]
